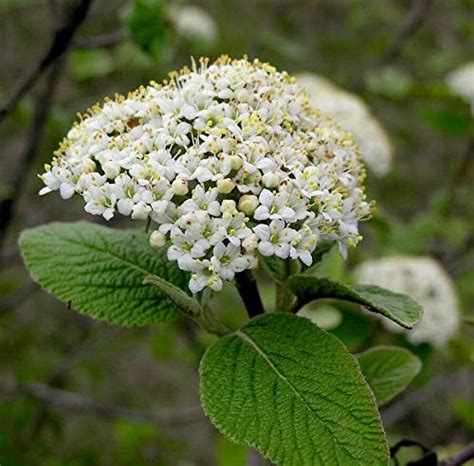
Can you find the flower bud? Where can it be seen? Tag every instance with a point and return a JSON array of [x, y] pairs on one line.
[[88, 165], [271, 180], [248, 203], [229, 206], [140, 211], [225, 186], [111, 169], [157, 239], [235, 162], [250, 243], [180, 187]]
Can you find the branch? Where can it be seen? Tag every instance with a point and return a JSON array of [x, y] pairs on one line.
[[416, 16], [63, 35], [75, 402], [462, 457], [247, 288], [109, 39], [33, 139]]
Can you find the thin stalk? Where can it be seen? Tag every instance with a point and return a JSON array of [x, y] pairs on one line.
[[248, 291]]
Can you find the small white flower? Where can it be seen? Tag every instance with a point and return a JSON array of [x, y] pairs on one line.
[[275, 239], [202, 200], [303, 245], [229, 160], [274, 206], [180, 187], [157, 239], [271, 180], [227, 260], [141, 211]]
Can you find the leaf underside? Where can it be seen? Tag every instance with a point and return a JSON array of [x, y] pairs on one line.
[[99, 271], [395, 306], [388, 370], [292, 391]]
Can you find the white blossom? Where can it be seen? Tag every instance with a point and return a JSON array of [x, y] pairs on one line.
[[461, 83], [353, 114], [426, 282], [194, 23], [228, 160]]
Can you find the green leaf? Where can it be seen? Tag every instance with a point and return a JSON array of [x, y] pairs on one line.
[[388, 370], [148, 25], [100, 271], [293, 392], [397, 307]]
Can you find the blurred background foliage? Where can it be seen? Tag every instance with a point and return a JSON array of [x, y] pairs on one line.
[[76, 392]]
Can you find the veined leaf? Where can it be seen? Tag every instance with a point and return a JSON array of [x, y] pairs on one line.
[[397, 307], [292, 391], [388, 370], [179, 297], [99, 271]]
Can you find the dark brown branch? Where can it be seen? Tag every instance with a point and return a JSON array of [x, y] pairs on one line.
[[75, 402], [33, 140], [248, 291], [63, 35], [462, 457]]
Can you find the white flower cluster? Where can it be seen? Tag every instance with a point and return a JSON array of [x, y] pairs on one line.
[[426, 282], [461, 83], [228, 159], [194, 23], [353, 114]]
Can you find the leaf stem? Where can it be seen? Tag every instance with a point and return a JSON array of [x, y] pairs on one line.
[[248, 291]]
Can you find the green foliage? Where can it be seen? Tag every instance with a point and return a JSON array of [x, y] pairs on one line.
[[397, 307], [388, 370], [355, 327], [90, 63], [100, 271], [298, 404], [148, 25]]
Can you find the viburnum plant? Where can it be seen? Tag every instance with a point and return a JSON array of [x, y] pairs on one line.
[[232, 168]]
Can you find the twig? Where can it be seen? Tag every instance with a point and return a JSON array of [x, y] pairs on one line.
[[75, 402], [109, 39], [416, 16], [247, 288], [63, 35], [33, 139], [462, 457]]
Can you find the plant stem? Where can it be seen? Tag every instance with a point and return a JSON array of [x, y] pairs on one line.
[[284, 297], [248, 291]]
